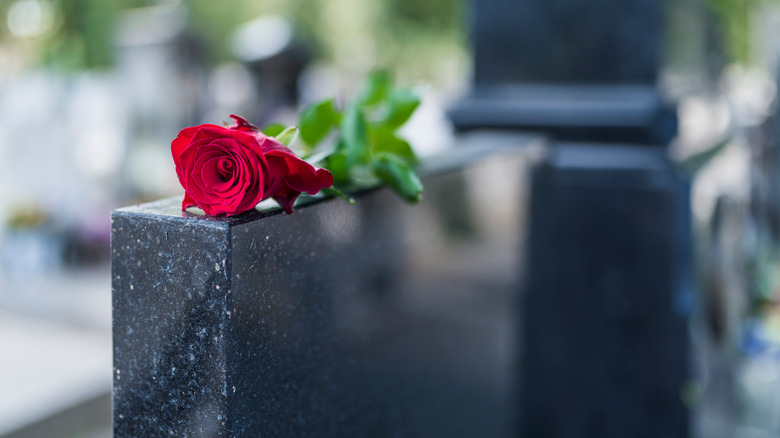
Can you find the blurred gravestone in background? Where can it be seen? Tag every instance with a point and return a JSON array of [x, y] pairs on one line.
[[579, 70], [275, 57], [603, 42], [606, 301]]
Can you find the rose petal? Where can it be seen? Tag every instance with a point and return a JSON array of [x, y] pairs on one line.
[[186, 158], [268, 144], [286, 199], [290, 176], [181, 142], [226, 169], [242, 125], [209, 132], [298, 174], [201, 189], [187, 202], [223, 171], [209, 173]]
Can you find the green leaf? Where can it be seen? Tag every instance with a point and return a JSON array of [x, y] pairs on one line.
[[317, 120], [399, 177], [288, 136], [337, 165], [336, 192], [273, 129], [354, 135], [401, 105], [385, 141], [376, 88]]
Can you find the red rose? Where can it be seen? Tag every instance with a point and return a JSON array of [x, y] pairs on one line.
[[226, 171]]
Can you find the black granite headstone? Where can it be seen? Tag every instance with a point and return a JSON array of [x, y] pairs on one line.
[[595, 42], [605, 318], [374, 320], [579, 70], [608, 296]]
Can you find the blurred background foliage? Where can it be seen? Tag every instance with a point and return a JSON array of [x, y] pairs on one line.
[[77, 52], [419, 37], [736, 18], [417, 34]]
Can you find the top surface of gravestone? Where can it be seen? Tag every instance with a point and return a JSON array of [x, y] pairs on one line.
[[170, 208], [453, 159], [567, 41]]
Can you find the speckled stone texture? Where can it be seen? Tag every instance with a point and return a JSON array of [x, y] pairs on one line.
[[374, 320], [170, 300]]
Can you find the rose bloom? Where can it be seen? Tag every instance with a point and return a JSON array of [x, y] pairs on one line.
[[226, 171]]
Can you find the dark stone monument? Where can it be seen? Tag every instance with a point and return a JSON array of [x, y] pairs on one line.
[[374, 320], [579, 70], [607, 297], [598, 42], [604, 334]]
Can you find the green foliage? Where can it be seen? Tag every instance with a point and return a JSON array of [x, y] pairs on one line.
[[421, 37], [401, 105], [376, 89], [399, 177], [288, 136], [336, 192], [367, 148], [354, 135], [337, 164], [316, 121], [736, 18], [84, 36], [387, 141], [273, 129]]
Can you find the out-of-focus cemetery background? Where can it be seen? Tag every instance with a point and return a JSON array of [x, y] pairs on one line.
[[91, 94], [93, 91]]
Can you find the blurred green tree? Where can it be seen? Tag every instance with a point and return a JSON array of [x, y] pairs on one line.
[[735, 20], [417, 37]]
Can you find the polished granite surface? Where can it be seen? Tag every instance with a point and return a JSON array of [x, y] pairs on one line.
[[438, 319], [379, 319]]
